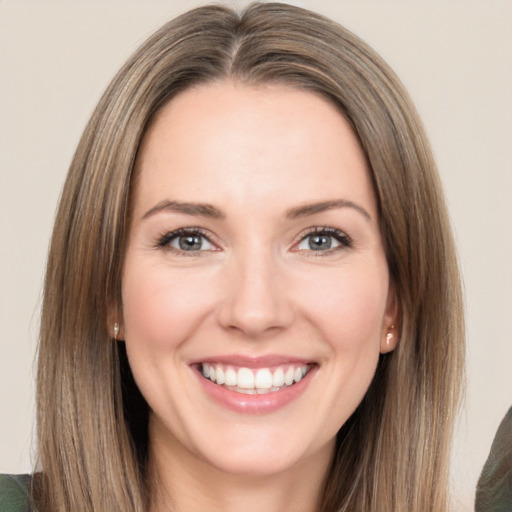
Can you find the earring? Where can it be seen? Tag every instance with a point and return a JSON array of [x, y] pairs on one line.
[[116, 330], [389, 335]]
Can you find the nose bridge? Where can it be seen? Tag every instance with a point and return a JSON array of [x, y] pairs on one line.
[[256, 300]]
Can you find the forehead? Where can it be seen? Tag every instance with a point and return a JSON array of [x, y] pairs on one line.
[[239, 144]]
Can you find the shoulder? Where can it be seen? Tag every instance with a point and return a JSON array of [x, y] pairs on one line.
[[14, 493], [494, 489]]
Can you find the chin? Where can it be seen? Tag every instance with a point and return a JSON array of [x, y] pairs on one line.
[[264, 461]]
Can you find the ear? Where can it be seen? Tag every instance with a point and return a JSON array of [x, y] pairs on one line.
[[390, 327]]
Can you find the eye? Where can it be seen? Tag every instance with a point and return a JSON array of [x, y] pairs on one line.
[[323, 240], [187, 240]]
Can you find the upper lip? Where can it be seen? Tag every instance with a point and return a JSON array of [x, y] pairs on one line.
[[253, 362]]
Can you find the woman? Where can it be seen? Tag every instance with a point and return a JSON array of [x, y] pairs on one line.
[[196, 350]]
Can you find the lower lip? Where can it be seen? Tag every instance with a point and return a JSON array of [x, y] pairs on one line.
[[255, 404]]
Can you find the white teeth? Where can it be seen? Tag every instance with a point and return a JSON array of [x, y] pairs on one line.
[[288, 377], [249, 381], [245, 378], [246, 391], [230, 377], [263, 379], [220, 375], [278, 378]]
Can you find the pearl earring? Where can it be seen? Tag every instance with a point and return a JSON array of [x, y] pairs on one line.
[[389, 335], [116, 330]]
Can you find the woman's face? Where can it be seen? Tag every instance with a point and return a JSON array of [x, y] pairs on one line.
[[256, 295]]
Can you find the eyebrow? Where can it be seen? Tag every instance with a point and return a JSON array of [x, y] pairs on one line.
[[197, 209], [212, 212], [313, 208]]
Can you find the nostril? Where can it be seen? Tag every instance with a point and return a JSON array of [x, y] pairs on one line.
[[255, 319]]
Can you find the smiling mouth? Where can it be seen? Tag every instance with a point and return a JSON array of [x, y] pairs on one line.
[[251, 381]]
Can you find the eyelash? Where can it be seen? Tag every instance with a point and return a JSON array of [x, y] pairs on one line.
[[342, 238], [165, 240]]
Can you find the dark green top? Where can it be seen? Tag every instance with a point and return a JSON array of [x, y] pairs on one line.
[[14, 493], [494, 489]]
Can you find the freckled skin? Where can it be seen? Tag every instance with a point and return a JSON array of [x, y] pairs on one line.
[[256, 288]]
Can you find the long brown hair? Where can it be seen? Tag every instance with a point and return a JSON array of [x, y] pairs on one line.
[[393, 453]]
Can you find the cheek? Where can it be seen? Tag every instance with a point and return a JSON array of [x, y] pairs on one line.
[[161, 308], [347, 304]]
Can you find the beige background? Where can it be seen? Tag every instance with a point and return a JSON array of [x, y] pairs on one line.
[[454, 56]]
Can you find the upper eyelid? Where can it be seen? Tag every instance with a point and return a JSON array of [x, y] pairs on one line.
[[344, 241], [170, 235], [327, 230]]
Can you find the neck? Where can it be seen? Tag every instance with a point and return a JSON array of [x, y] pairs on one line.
[[182, 482]]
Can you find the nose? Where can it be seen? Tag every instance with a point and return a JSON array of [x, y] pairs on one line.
[[255, 301]]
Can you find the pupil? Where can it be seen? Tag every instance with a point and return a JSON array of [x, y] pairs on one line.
[[190, 242], [318, 242]]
